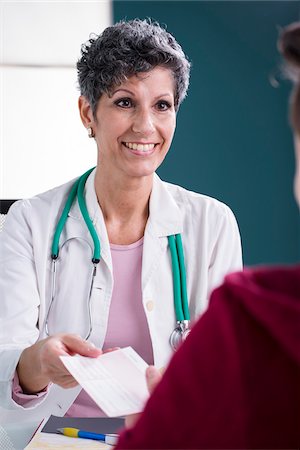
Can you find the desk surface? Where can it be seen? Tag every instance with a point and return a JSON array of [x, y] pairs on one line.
[[16, 436]]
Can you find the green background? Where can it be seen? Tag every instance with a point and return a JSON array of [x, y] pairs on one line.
[[233, 141]]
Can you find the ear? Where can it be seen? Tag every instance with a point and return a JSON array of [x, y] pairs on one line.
[[85, 111]]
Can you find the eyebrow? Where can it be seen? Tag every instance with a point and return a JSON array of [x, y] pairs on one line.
[[132, 93], [124, 90]]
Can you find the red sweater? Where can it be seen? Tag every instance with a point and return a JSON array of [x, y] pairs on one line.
[[235, 383]]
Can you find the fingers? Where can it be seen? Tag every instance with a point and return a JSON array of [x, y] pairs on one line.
[[153, 377], [131, 420], [112, 349], [76, 345], [40, 363], [59, 345], [51, 365]]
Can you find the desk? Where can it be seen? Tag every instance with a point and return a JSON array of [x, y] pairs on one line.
[[19, 434]]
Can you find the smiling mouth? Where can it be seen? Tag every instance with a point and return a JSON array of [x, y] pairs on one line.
[[139, 147]]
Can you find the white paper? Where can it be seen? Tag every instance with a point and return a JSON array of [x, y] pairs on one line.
[[45, 441], [115, 380]]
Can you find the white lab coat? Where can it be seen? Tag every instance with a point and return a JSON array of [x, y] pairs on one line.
[[211, 245]]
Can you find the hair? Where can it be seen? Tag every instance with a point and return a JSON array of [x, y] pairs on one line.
[[125, 49], [289, 47]]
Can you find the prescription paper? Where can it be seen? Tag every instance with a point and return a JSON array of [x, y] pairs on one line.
[[115, 380], [50, 441]]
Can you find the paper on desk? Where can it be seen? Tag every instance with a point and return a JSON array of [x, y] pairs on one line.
[[51, 441], [115, 380]]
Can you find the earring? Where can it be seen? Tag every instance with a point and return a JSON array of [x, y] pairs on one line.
[[90, 132]]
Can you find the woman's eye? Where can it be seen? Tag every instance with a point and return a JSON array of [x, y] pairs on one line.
[[124, 102], [163, 105]]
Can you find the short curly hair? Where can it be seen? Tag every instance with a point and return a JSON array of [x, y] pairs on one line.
[[125, 49]]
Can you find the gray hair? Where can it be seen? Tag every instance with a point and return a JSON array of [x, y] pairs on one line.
[[125, 49]]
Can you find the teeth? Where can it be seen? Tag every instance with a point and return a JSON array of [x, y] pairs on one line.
[[139, 147]]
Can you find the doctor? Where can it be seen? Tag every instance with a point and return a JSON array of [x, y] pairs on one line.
[[97, 273]]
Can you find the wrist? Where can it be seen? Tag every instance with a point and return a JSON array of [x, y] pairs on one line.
[[31, 378]]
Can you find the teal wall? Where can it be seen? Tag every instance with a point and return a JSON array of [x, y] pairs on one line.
[[233, 141]]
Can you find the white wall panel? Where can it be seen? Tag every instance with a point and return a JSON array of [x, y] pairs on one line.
[[42, 140], [50, 32]]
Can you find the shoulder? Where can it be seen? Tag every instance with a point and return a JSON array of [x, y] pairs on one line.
[[53, 196], [265, 279], [261, 291], [42, 205], [267, 296], [198, 204]]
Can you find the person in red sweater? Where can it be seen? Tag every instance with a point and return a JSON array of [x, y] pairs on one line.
[[235, 382]]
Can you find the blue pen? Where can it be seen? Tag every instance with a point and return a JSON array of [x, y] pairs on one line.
[[74, 432]]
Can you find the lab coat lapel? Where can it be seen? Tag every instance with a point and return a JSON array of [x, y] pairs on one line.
[[165, 219], [76, 226]]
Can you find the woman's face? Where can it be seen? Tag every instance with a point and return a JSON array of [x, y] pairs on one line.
[[135, 125]]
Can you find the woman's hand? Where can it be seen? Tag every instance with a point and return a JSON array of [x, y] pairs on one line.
[[153, 377], [40, 364]]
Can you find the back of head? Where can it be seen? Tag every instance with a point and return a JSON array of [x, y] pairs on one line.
[[126, 49], [289, 47]]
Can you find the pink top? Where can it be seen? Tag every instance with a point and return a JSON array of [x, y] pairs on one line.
[[127, 323]]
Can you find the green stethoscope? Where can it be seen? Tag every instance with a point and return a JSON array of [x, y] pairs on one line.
[[177, 257]]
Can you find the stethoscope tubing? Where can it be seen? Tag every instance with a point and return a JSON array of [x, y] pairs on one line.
[[176, 249], [62, 220], [179, 278], [85, 214]]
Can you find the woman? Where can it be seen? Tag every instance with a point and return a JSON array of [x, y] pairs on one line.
[[132, 78], [235, 382]]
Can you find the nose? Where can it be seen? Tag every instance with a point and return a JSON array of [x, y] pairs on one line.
[[143, 123]]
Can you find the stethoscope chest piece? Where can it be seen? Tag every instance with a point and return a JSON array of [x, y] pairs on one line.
[[179, 334]]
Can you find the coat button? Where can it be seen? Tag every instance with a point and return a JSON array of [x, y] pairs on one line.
[[150, 305]]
